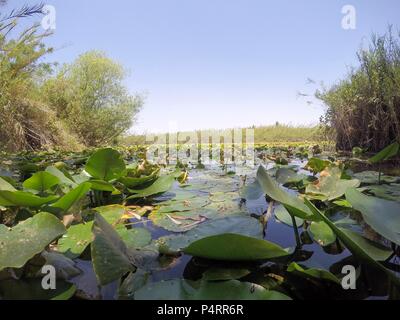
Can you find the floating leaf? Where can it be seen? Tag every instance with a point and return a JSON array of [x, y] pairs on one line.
[[234, 247], [317, 165], [322, 233], [293, 204], [313, 273], [161, 185], [6, 186], [284, 216], [365, 250], [64, 179], [27, 239], [106, 164], [330, 186], [381, 215], [385, 154], [205, 290], [41, 181], [243, 225], [23, 199], [79, 236], [135, 238], [110, 255], [68, 200]]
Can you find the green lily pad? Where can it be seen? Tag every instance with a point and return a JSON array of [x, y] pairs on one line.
[[41, 181], [6, 186], [79, 236], [161, 185], [292, 203], [67, 201], [106, 164], [386, 191], [239, 224], [317, 165], [322, 233], [110, 255], [365, 250], [23, 199], [385, 154], [27, 239], [381, 215], [372, 177], [234, 247], [284, 216], [178, 289], [67, 180], [135, 238], [330, 186], [313, 273]]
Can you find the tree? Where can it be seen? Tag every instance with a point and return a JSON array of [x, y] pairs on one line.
[[25, 122], [90, 97]]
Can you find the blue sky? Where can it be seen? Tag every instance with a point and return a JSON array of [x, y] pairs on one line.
[[220, 63]]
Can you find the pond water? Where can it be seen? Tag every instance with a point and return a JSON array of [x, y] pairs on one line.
[[221, 182]]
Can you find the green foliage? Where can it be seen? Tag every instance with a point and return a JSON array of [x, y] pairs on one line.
[[26, 122], [90, 97], [364, 108]]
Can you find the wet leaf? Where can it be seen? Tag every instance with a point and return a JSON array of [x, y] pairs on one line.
[[161, 185], [385, 154], [110, 255], [313, 273], [381, 215], [292, 203], [330, 186], [41, 181], [106, 164], [204, 290], [27, 239]]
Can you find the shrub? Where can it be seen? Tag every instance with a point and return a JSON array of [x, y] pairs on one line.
[[363, 109]]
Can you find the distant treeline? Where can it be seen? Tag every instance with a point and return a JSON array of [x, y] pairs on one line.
[[262, 134]]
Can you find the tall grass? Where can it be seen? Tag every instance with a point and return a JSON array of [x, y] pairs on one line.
[[363, 110]]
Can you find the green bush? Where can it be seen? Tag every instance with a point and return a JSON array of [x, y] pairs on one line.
[[363, 110], [90, 97]]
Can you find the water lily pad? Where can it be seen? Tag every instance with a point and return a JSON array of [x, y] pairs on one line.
[[205, 290], [110, 255], [79, 236], [313, 273], [372, 177], [161, 185], [106, 164], [322, 233], [6, 186], [243, 225], [330, 186], [234, 247], [23, 199], [317, 165], [385, 191], [41, 181], [284, 216], [387, 153], [381, 215], [292, 203], [27, 239], [135, 238], [68, 200]]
